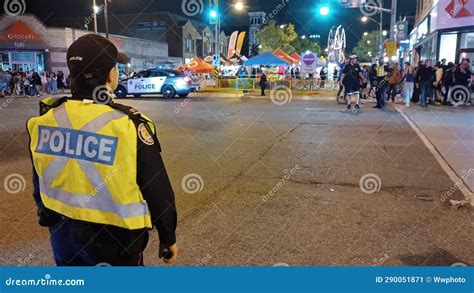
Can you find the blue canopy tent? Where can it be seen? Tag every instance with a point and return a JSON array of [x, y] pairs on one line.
[[266, 59]]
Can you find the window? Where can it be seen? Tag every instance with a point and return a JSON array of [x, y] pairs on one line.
[[189, 44], [143, 74], [447, 47], [157, 73], [467, 41], [144, 26]]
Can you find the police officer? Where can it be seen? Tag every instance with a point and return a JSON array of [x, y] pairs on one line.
[[351, 78], [100, 182], [381, 85]]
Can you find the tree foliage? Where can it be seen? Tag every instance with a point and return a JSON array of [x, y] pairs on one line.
[[369, 43], [303, 45], [272, 37]]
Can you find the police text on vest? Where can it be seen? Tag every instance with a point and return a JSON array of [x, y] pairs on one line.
[[76, 144]]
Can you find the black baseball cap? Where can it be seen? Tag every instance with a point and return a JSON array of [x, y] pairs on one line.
[[93, 56]]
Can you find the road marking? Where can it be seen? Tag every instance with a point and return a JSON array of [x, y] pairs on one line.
[[443, 163]]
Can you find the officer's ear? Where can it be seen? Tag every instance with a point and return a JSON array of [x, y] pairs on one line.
[[113, 78]]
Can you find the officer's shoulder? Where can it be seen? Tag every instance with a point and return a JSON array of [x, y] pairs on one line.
[[50, 103], [136, 116]]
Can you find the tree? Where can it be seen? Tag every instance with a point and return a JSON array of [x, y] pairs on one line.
[[303, 45], [272, 37], [368, 44]]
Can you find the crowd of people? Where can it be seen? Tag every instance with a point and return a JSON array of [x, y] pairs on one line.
[[426, 83], [32, 83]]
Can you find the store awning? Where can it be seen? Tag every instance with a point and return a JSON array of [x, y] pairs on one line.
[[296, 56], [280, 53], [197, 66], [266, 59]]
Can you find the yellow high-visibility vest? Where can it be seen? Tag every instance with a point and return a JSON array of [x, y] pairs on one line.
[[381, 71], [85, 155]]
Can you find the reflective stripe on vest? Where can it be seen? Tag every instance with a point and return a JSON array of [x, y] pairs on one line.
[[103, 200]]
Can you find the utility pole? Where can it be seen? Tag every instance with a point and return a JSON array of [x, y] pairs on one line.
[[393, 20], [106, 18]]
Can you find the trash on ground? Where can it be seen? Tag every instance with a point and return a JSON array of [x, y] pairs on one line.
[[424, 198], [458, 203]]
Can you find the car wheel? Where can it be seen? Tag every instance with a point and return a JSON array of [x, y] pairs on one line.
[[121, 92], [137, 96], [169, 92]]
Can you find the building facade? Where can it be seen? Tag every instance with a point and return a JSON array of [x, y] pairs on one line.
[[186, 38], [444, 30], [257, 20], [27, 44]]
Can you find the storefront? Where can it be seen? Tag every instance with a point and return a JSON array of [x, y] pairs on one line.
[[27, 44], [446, 33], [22, 49]]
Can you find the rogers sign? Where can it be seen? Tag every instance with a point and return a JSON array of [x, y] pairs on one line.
[[22, 37]]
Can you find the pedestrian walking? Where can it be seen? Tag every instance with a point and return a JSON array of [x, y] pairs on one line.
[[54, 83], [438, 84], [393, 81], [100, 183], [409, 83], [263, 82], [425, 78], [463, 76], [448, 82]]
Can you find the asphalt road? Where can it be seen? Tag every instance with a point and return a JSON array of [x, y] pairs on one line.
[[280, 186]]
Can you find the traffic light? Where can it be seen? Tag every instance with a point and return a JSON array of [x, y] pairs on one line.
[[213, 15], [324, 10]]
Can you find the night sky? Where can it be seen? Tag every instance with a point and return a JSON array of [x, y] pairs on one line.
[[302, 13]]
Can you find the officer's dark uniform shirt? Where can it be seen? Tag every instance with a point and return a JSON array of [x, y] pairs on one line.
[[152, 179], [352, 73]]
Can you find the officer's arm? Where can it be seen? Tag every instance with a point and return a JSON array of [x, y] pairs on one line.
[[156, 189]]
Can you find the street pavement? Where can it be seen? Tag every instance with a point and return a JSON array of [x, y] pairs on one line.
[[259, 184]]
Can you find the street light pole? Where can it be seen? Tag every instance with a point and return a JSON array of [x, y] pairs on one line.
[[218, 22], [94, 8], [106, 18], [381, 35]]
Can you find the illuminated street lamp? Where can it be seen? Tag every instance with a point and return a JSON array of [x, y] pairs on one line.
[[366, 34], [239, 6]]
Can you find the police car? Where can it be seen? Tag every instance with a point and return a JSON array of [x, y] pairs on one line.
[[168, 83]]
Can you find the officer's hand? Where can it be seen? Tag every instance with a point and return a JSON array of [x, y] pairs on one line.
[[169, 253]]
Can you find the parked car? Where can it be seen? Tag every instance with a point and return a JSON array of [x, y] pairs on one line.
[[168, 83]]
